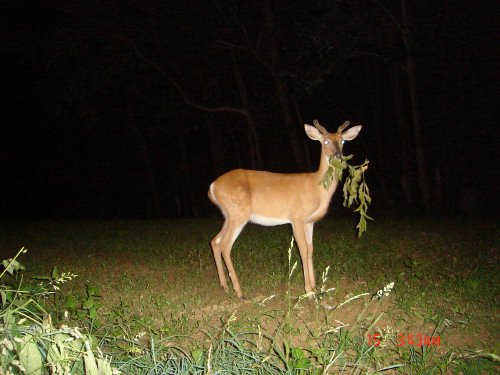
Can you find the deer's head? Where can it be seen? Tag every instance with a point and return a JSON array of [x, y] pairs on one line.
[[332, 143]]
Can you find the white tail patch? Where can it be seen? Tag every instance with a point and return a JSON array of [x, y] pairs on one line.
[[212, 195]]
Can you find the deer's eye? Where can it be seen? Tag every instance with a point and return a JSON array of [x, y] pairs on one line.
[[326, 142], [342, 142]]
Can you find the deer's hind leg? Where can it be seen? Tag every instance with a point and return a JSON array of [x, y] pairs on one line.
[[217, 250], [234, 228], [236, 207]]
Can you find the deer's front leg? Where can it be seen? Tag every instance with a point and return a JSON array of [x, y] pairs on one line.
[[300, 238], [309, 227]]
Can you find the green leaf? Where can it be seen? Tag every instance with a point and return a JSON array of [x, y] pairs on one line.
[[129, 348], [297, 353], [56, 353], [29, 355], [197, 355], [89, 360], [55, 273], [93, 312], [368, 198], [104, 366], [71, 302], [89, 303], [92, 291], [351, 199], [12, 265], [302, 364], [287, 350], [9, 319]]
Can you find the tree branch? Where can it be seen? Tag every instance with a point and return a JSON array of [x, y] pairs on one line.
[[254, 54], [373, 54], [179, 89]]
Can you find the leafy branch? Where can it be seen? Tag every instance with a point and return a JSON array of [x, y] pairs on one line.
[[355, 188]]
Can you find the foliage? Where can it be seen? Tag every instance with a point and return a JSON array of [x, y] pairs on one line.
[[355, 187], [30, 343], [86, 310]]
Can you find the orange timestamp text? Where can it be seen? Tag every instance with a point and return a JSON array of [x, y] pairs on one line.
[[410, 339]]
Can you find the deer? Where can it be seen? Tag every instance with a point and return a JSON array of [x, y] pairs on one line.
[[269, 199]]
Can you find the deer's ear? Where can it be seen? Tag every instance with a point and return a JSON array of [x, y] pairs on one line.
[[352, 133], [312, 132]]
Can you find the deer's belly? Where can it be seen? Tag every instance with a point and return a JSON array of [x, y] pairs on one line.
[[268, 221]]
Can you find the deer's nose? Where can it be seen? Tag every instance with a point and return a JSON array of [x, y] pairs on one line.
[[338, 154]]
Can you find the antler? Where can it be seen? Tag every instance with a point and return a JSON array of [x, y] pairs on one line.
[[319, 127], [342, 127]]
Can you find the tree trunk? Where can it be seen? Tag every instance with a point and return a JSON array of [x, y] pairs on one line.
[[185, 198], [215, 138], [377, 109], [281, 89], [154, 199], [407, 179], [444, 110], [417, 134], [305, 142], [415, 111], [253, 136]]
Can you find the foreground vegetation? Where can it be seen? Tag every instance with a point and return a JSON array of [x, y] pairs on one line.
[[407, 297]]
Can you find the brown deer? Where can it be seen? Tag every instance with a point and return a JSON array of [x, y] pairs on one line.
[[268, 199]]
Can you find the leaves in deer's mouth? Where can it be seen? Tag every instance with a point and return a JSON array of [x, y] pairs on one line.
[[337, 165], [355, 188]]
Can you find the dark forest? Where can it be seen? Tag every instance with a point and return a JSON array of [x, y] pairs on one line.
[[129, 109]]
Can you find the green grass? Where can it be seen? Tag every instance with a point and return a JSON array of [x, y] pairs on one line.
[[155, 290]]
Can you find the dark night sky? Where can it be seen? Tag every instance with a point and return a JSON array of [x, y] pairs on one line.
[[93, 125]]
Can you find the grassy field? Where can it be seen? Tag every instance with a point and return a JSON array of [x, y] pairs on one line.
[[152, 286]]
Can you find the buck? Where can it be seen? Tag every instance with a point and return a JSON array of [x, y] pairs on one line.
[[269, 199]]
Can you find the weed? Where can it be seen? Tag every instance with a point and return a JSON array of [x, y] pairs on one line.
[[31, 343]]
